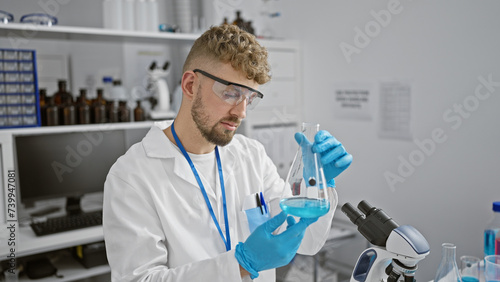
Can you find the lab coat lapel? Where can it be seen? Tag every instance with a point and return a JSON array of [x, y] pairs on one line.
[[154, 144], [228, 167], [183, 170]]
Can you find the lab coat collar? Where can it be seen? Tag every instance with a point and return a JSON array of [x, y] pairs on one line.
[[155, 141], [155, 145]]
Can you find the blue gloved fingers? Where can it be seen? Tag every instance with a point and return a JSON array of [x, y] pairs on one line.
[[275, 222], [301, 139], [324, 141], [290, 221], [344, 161], [309, 221], [298, 229], [333, 156]]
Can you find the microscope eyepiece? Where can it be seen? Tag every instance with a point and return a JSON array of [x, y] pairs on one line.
[[352, 213], [365, 207], [374, 224]]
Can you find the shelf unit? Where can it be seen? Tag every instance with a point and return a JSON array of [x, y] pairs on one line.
[[16, 31], [278, 109], [27, 244]]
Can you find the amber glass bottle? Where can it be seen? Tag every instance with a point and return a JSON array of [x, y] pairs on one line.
[[100, 97], [69, 112], [99, 108], [112, 110], [139, 114], [83, 108], [124, 112], [43, 105], [52, 113], [239, 21], [62, 94]]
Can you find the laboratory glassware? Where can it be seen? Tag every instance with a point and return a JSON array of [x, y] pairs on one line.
[[448, 269], [123, 111], [83, 108], [491, 232], [52, 113], [39, 19], [99, 107], [68, 112], [469, 268], [43, 105], [492, 268], [62, 94], [6, 17], [306, 193], [139, 114]]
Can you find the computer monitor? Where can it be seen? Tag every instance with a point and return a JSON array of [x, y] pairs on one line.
[[68, 164]]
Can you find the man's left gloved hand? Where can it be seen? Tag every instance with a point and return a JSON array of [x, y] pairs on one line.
[[334, 157]]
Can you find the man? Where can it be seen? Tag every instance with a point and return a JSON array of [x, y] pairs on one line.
[[176, 204]]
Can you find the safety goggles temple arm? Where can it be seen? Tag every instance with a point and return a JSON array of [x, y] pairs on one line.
[[225, 82]]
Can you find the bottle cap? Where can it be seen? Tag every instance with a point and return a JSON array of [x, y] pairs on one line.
[[496, 206], [107, 79]]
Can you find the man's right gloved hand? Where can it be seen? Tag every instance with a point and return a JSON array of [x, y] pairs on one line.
[[262, 250]]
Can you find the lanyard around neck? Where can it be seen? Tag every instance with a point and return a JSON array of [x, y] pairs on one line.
[[227, 239]]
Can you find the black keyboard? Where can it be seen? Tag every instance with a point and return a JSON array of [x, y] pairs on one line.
[[67, 223]]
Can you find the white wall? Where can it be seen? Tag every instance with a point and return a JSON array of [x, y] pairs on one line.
[[442, 47]]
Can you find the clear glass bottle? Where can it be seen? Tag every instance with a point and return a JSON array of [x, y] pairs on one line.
[[448, 269], [307, 194], [107, 82], [492, 233]]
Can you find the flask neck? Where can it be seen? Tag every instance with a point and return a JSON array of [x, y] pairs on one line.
[[309, 130], [449, 253]]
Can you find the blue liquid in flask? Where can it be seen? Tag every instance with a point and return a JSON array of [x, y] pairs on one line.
[[469, 279], [305, 207]]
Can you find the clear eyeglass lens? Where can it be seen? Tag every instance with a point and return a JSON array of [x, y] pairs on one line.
[[233, 95]]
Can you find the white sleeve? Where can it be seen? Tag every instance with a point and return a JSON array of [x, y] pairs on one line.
[[135, 243]]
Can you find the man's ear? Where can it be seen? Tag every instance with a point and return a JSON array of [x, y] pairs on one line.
[[189, 84]]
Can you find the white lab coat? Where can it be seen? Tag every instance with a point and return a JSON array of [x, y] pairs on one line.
[[157, 226]]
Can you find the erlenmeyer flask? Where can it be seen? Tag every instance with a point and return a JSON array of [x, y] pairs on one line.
[[307, 194], [448, 269]]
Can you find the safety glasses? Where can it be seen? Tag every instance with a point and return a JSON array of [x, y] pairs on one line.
[[233, 93]]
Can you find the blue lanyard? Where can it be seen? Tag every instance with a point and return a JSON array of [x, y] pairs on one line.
[[227, 240]]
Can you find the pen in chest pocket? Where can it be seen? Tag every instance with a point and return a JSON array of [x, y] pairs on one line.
[[262, 202], [259, 204]]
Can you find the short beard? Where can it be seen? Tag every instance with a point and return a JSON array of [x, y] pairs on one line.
[[200, 118]]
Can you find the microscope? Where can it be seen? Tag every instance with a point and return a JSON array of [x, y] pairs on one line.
[[395, 249], [161, 95]]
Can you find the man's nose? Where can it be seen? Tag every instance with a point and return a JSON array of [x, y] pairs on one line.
[[240, 109]]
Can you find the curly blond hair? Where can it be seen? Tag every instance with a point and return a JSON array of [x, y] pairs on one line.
[[230, 44]]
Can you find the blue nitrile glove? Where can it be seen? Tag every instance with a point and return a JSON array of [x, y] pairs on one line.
[[334, 157], [262, 250]]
